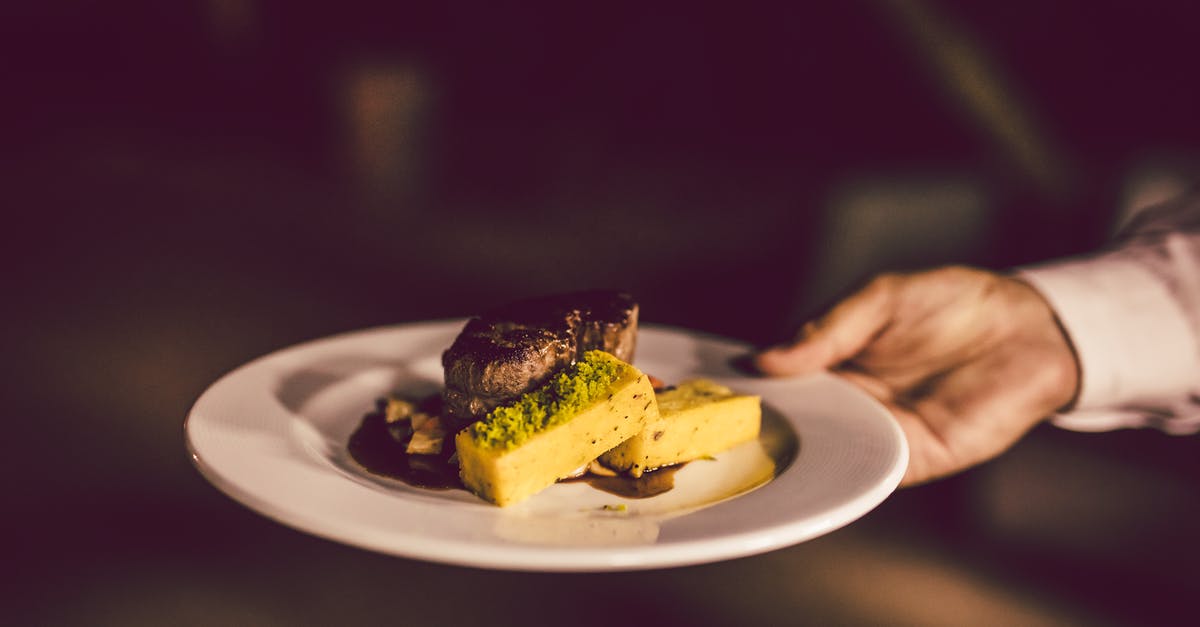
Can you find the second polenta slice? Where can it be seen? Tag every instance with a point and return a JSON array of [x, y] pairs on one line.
[[519, 449], [696, 419]]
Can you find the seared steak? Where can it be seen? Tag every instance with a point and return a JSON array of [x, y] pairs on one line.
[[513, 349]]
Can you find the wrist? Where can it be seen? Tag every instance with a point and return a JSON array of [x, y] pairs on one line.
[[1055, 334]]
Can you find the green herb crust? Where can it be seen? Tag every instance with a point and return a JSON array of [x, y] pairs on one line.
[[568, 393]]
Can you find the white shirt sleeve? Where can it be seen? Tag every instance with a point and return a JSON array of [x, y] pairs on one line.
[[1132, 313]]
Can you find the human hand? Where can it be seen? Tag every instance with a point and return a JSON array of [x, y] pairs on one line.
[[966, 360]]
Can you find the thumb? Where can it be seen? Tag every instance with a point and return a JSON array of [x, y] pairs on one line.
[[839, 335]]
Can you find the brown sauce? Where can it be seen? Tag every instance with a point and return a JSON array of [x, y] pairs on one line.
[[649, 484], [380, 449]]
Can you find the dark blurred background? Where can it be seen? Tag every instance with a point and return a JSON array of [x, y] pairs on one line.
[[190, 185]]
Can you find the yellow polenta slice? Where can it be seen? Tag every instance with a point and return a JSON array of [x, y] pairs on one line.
[[696, 419], [519, 449]]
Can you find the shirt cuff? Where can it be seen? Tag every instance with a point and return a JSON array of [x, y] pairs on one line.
[[1126, 329]]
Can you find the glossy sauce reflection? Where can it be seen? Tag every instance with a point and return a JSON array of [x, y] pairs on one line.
[[380, 451], [649, 484]]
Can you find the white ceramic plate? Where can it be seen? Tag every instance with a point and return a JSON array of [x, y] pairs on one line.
[[272, 435]]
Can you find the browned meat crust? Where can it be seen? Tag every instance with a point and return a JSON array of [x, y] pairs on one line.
[[513, 349]]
